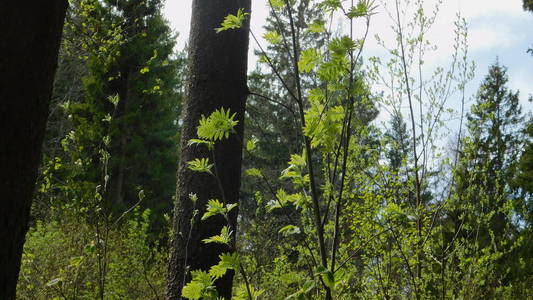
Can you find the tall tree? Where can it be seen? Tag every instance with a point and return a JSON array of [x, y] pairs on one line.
[[398, 139], [30, 37], [217, 79], [126, 51], [482, 211], [143, 134]]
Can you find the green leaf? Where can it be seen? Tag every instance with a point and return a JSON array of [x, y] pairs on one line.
[[191, 142], [200, 284], [282, 196], [217, 126], [272, 204], [214, 207], [329, 279], [276, 4], [360, 10], [230, 260], [342, 45], [317, 26], [217, 271], [201, 165], [330, 5], [251, 144], [309, 285], [113, 99], [223, 238], [192, 290], [297, 160], [144, 70], [233, 21], [273, 37], [289, 230], [309, 59], [327, 276], [253, 172], [241, 292], [202, 277]]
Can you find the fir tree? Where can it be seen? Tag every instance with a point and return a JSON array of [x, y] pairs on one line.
[[482, 211]]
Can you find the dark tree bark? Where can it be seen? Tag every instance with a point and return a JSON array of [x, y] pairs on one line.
[[217, 78], [30, 34]]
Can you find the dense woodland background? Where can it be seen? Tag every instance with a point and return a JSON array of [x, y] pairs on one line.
[[434, 203]]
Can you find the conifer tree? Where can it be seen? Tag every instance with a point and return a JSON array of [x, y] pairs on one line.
[[482, 211], [123, 51]]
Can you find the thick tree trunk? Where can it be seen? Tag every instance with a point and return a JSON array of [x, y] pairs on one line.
[[30, 34], [217, 78]]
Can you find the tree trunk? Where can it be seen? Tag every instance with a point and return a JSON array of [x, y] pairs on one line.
[[216, 78], [30, 34]]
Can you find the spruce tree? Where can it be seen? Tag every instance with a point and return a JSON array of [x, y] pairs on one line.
[[123, 51], [482, 210]]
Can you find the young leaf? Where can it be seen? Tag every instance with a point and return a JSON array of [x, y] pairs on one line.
[[214, 207], [217, 270], [251, 144], [253, 172], [200, 283], [309, 59], [223, 238], [144, 70], [217, 126], [276, 4], [273, 37], [230, 260], [193, 290], [233, 21], [191, 142], [200, 165], [317, 26], [329, 279]]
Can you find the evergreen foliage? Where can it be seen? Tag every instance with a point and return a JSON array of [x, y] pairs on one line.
[[119, 87], [333, 204]]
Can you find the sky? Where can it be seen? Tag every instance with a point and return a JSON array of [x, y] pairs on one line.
[[497, 29]]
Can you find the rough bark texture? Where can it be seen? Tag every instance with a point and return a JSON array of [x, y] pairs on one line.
[[30, 34], [216, 78]]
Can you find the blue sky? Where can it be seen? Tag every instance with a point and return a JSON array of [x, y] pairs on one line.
[[496, 29]]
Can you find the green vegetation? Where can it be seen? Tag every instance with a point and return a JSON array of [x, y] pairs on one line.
[[334, 204]]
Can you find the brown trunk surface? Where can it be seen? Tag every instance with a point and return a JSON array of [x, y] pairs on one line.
[[216, 78], [30, 34]]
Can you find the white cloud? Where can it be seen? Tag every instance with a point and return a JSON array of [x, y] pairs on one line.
[[473, 9], [486, 38]]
